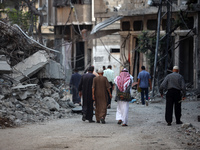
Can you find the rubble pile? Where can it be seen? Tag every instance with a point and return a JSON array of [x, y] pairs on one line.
[[191, 136], [5, 122], [14, 44], [31, 82], [41, 104], [137, 96]]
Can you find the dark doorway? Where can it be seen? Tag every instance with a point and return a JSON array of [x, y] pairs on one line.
[[80, 46], [186, 59]]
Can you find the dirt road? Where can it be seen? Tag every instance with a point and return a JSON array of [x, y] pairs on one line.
[[147, 130]]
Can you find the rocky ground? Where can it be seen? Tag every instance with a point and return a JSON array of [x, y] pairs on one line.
[[146, 130]]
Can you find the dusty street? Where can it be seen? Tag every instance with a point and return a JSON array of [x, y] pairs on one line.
[[147, 130]]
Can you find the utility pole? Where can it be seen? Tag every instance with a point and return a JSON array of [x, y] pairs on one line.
[[168, 27], [157, 45]]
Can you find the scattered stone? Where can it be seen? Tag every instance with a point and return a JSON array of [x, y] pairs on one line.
[[51, 104], [5, 122], [71, 104], [186, 125]]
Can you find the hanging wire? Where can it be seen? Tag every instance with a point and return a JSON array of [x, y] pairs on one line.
[[109, 52], [34, 40], [77, 20]]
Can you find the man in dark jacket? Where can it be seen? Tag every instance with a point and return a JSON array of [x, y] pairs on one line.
[[74, 83]]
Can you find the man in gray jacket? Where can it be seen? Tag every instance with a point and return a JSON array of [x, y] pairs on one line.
[[176, 90]]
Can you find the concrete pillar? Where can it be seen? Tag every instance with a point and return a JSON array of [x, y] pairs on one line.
[[176, 52], [198, 52], [131, 54]]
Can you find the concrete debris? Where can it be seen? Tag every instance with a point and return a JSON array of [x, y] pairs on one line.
[[136, 97], [32, 99], [31, 84], [71, 104], [30, 65], [52, 70], [64, 103], [191, 134], [51, 104], [4, 66], [5, 122], [22, 92], [186, 125], [37, 107], [5, 87]]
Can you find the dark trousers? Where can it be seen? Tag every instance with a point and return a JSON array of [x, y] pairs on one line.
[[87, 109], [109, 99], [173, 98], [146, 91]]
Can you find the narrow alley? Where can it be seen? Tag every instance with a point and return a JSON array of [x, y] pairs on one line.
[[146, 130]]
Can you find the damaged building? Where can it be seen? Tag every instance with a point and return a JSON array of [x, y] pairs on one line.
[[182, 35], [71, 21], [32, 83]]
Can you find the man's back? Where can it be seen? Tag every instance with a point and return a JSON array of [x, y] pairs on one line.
[[87, 80], [144, 77], [75, 79], [173, 80], [101, 83], [109, 74]]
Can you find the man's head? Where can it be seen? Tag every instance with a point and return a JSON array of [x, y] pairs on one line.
[[104, 67], [100, 71], [75, 70], [91, 69], [143, 67], [109, 66], [175, 69], [124, 70]]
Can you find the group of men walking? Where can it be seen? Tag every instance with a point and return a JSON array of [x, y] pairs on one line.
[[96, 92]]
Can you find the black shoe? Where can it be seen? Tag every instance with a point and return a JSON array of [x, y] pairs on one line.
[[97, 121], [91, 121], [83, 118], [169, 123], [179, 122], [103, 121], [124, 125], [119, 122]]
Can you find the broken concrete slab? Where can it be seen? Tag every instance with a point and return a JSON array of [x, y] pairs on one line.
[[4, 66], [52, 70], [24, 91], [51, 104], [77, 109], [30, 66]]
